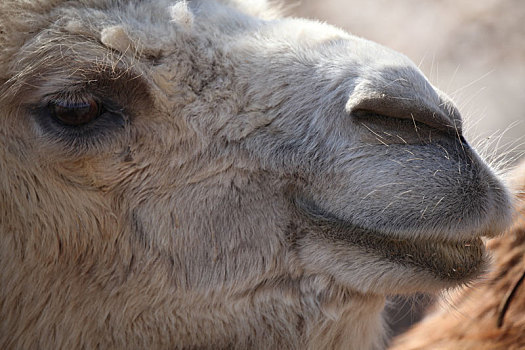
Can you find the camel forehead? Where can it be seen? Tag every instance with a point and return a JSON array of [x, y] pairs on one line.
[[151, 27], [148, 15], [148, 26], [21, 22], [157, 20]]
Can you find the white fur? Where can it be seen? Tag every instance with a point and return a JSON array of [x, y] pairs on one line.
[[182, 15]]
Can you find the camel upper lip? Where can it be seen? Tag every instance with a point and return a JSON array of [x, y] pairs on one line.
[[446, 259]]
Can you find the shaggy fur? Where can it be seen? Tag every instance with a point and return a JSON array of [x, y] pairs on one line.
[[250, 181], [489, 315]]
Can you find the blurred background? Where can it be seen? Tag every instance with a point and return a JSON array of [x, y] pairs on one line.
[[472, 50]]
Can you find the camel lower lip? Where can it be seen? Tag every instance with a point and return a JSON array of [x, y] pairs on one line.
[[445, 259]]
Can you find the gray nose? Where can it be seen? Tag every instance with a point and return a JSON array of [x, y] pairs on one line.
[[405, 94]]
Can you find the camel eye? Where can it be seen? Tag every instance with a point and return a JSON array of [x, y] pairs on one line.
[[75, 113]]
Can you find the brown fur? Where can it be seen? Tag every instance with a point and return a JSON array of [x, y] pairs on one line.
[[490, 314]]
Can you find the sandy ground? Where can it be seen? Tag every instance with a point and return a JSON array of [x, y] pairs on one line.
[[472, 50]]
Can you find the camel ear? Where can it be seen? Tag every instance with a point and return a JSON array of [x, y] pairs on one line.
[[401, 100]]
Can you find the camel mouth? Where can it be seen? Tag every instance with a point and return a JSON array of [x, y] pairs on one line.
[[447, 260]]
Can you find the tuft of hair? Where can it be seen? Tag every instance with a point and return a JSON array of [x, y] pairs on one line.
[[116, 38], [181, 14]]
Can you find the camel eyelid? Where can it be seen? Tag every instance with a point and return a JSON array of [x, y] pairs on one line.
[[110, 119]]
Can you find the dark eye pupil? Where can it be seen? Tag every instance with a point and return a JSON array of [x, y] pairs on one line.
[[75, 114]]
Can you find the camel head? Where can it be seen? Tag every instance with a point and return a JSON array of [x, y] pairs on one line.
[[205, 153]]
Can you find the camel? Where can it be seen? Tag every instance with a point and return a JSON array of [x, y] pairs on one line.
[[489, 314], [214, 175]]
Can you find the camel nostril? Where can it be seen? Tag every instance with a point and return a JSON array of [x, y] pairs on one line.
[[416, 110], [405, 94], [415, 117]]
